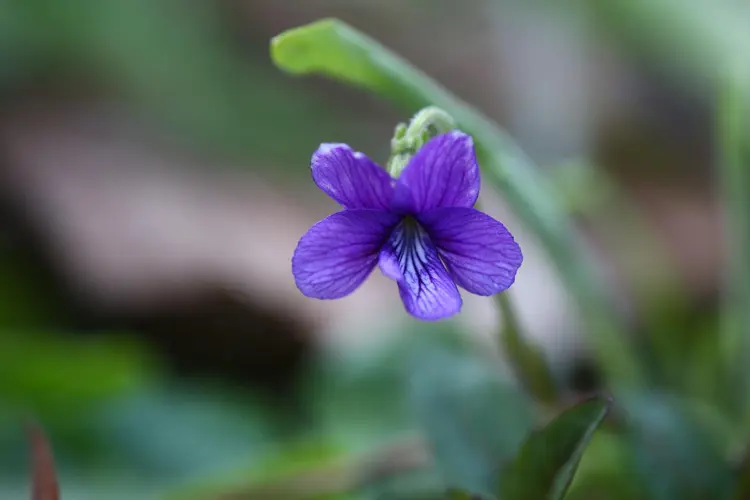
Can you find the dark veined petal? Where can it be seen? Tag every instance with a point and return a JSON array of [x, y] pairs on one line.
[[351, 178], [443, 173], [479, 252], [336, 255], [409, 258]]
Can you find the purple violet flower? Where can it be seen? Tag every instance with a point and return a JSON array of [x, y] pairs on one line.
[[420, 229]]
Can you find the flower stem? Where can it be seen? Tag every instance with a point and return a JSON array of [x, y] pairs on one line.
[[526, 359]]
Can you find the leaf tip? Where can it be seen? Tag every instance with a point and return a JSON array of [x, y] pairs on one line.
[[291, 50], [607, 401]]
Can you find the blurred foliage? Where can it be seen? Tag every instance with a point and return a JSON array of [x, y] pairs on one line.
[[677, 447], [460, 410], [173, 63], [425, 415], [665, 436]]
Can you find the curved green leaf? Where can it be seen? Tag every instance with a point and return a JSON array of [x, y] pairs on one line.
[[548, 459], [335, 49]]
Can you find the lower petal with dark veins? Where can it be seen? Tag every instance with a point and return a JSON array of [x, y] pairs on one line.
[[426, 288]]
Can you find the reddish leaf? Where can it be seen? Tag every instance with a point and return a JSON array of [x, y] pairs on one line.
[[43, 480]]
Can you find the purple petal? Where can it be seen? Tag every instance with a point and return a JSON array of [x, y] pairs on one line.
[[444, 173], [410, 258], [479, 252], [336, 255], [351, 178]]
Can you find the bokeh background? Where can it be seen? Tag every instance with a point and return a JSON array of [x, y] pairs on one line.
[[154, 181]]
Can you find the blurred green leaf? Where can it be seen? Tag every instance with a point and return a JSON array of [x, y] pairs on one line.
[[53, 375], [605, 471], [741, 488], [298, 457], [455, 494], [676, 455], [320, 470], [427, 377], [474, 418], [697, 41], [174, 433], [147, 443], [354, 412], [419, 485], [548, 459], [299, 470], [335, 49], [361, 395]]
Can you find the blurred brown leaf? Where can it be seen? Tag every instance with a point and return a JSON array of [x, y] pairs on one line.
[[44, 479]]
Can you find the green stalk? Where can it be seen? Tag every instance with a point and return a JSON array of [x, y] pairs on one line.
[[336, 50], [526, 358], [732, 125]]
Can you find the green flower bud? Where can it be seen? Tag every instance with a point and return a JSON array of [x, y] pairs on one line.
[[407, 140]]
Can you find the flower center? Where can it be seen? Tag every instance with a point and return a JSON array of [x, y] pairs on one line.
[[411, 227]]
